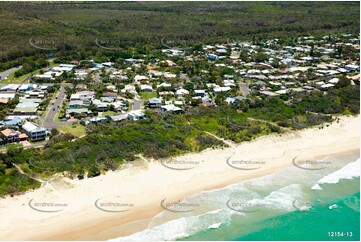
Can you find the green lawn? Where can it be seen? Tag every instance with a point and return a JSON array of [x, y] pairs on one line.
[[74, 129], [147, 95], [104, 114], [12, 79]]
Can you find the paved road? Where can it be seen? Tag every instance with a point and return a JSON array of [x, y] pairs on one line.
[[6, 73], [137, 104], [48, 122], [245, 89]]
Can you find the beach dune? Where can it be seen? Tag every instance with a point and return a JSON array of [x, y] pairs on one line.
[[123, 202]]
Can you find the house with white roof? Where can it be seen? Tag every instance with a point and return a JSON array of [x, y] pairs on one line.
[[352, 67], [10, 88], [34, 131], [7, 96], [181, 92], [221, 89], [146, 88], [199, 93], [136, 115], [169, 75], [171, 108], [139, 78]]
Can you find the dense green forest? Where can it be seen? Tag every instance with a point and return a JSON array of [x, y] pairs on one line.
[[71, 29], [108, 146]]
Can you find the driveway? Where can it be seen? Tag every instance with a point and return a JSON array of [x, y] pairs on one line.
[[245, 89], [48, 122], [137, 104]]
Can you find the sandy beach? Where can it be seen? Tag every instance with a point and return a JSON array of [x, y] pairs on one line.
[[141, 188]]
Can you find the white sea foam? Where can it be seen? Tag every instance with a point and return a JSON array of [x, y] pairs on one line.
[[180, 228], [316, 187], [186, 226], [283, 198], [349, 171], [215, 226], [333, 206]]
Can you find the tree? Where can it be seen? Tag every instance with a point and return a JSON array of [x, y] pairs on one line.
[[54, 132], [343, 81], [312, 50], [94, 171]]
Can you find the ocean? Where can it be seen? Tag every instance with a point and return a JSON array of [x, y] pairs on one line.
[[291, 204]]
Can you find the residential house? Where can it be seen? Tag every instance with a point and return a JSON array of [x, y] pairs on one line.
[[34, 131], [136, 115], [146, 88], [119, 106], [76, 104], [118, 117], [10, 135], [101, 107], [206, 104], [171, 108], [129, 88], [155, 102], [221, 89], [10, 88], [181, 92], [139, 78], [326, 87], [72, 112], [81, 74], [212, 56], [351, 67], [11, 122], [7, 96], [97, 120], [35, 94], [165, 85], [169, 75], [107, 99], [27, 87], [199, 93]]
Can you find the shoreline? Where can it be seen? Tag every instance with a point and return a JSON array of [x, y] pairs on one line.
[[146, 187]]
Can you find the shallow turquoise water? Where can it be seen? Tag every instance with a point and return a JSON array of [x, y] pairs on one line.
[[318, 224], [292, 204]]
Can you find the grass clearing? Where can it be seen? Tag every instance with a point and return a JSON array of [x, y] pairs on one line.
[[147, 95], [75, 129]]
